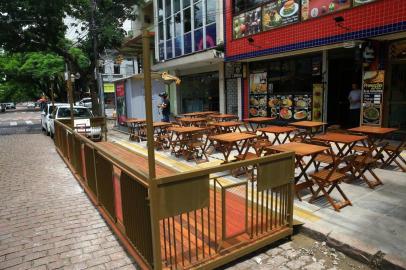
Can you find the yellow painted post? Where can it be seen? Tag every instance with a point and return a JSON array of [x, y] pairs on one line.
[[153, 188]]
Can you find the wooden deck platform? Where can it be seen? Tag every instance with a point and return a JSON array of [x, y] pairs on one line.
[[193, 238], [134, 160], [229, 222]]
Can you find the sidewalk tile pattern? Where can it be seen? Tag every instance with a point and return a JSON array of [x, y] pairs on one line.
[[46, 220]]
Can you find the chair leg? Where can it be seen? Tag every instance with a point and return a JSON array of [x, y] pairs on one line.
[[346, 200], [378, 181], [400, 165], [331, 201]]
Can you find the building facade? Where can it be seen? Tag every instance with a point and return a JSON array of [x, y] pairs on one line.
[[188, 41], [298, 59]]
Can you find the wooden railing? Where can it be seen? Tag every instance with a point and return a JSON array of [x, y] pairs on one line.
[[199, 219]]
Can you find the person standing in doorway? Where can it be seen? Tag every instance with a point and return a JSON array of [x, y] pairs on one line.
[[165, 107], [355, 105]]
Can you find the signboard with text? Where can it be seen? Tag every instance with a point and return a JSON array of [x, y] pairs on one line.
[[280, 13], [372, 97]]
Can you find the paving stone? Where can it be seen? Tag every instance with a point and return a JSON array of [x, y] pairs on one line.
[[46, 220], [276, 261], [315, 266], [274, 251], [296, 264]]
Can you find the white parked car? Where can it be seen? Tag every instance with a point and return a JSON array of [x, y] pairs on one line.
[[45, 123], [79, 113], [85, 102], [10, 105]]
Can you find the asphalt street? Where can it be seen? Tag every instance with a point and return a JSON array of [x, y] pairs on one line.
[[20, 121]]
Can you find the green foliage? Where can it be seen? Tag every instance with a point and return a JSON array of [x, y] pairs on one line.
[[27, 75]]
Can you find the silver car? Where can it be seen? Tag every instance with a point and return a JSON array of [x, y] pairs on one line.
[[48, 109], [80, 113]]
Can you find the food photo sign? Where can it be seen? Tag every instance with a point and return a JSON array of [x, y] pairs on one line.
[[280, 13], [361, 2], [258, 94], [316, 8], [372, 97], [247, 23]]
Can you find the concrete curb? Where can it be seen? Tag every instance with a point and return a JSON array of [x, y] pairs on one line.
[[356, 249]]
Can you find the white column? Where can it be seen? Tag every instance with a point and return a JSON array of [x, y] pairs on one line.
[[222, 96], [239, 96]]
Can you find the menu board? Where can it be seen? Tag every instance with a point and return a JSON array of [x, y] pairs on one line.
[[361, 2], [317, 102], [279, 13], [372, 97], [258, 94], [290, 107], [316, 8], [302, 107], [247, 23]]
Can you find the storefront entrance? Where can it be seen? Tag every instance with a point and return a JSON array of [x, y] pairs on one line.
[[343, 71], [395, 111], [199, 92]]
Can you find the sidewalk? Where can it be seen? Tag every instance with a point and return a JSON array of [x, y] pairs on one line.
[[46, 220], [375, 223]]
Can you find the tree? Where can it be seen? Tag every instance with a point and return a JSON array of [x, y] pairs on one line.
[[37, 25], [28, 75]]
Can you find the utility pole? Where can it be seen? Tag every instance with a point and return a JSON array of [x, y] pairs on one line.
[[70, 92], [93, 31]]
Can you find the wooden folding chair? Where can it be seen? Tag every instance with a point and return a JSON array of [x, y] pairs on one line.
[[394, 155], [299, 136], [327, 157], [195, 148], [331, 178], [366, 162]]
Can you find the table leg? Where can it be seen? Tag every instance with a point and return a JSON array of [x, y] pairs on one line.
[[307, 183]]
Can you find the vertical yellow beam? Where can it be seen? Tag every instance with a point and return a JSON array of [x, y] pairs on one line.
[[146, 66], [153, 188]]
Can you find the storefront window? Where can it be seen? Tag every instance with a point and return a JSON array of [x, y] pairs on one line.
[[168, 28], [200, 92], [283, 88], [241, 5], [161, 31], [188, 26], [186, 3], [178, 25], [160, 10], [198, 15], [210, 11], [176, 5], [168, 10]]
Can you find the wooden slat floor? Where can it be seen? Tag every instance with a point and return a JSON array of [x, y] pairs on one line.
[[193, 244]]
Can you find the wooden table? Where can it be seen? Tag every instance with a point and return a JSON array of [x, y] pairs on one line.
[[134, 128], [228, 141], [374, 133], [277, 130], [199, 114], [259, 121], [180, 137], [346, 141], [311, 127], [192, 121], [223, 117], [301, 150], [228, 126]]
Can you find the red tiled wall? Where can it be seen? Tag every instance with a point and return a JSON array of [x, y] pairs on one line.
[[380, 13]]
